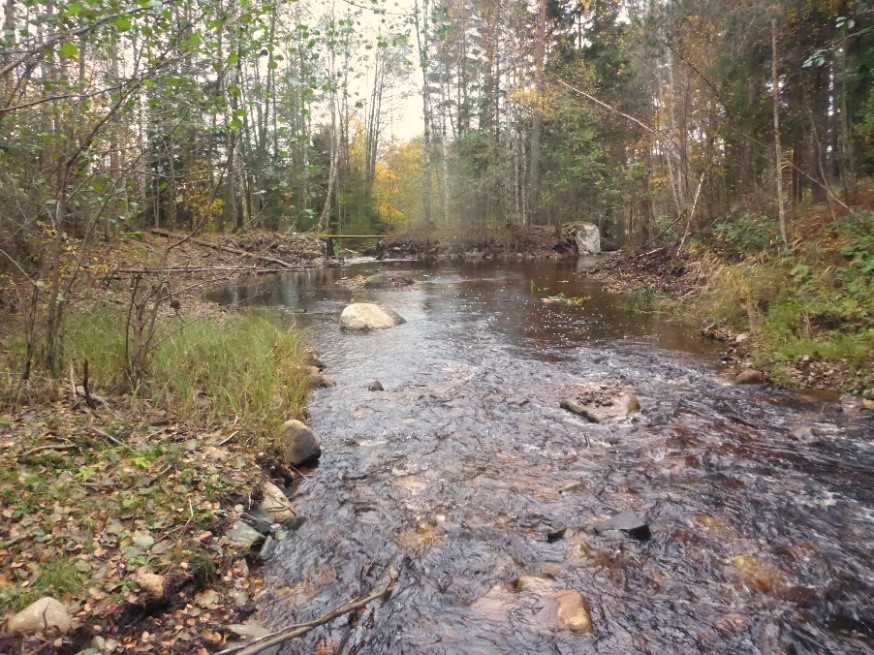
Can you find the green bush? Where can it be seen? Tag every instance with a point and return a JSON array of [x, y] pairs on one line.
[[746, 234]]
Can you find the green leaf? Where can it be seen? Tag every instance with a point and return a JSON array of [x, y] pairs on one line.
[[193, 41], [74, 9], [68, 50], [123, 23]]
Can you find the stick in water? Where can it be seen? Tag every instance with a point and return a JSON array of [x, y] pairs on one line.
[[262, 643]]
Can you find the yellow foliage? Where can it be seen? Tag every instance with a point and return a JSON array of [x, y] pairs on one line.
[[397, 185]]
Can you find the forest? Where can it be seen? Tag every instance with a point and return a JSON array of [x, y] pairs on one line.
[[154, 151], [740, 129]]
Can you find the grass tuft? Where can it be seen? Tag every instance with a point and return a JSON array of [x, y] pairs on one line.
[[249, 366]]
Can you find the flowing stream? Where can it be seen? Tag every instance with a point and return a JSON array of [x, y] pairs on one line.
[[759, 503]]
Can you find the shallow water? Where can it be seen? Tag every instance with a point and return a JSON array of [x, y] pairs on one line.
[[760, 503]]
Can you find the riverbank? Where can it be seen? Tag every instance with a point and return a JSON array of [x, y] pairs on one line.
[[138, 504], [805, 320]]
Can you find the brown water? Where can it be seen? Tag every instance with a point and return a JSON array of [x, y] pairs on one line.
[[760, 503]]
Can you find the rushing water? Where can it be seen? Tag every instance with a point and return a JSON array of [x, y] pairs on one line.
[[760, 504]]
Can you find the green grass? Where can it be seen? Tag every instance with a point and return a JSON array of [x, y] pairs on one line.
[[817, 302], [249, 366], [641, 301], [58, 577]]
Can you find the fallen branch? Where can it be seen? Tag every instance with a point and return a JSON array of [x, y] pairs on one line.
[[234, 251], [202, 269], [262, 643], [51, 446]]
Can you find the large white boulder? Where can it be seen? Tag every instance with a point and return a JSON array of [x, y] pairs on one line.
[[588, 238], [367, 316]]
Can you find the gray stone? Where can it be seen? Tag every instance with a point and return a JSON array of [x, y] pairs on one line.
[[275, 503], [368, 316], [243, 536], [259, 520], [41, 615], [298, 446], [268, 549], [375, 385], [588, 238], [627, 522]]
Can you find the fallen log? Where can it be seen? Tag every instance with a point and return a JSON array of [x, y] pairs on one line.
[[201, 269], [235, 251]]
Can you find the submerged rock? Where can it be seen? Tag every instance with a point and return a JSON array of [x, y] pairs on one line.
[[573, 611], [298, 446], [605, 403], [41, 615], [368, 316], [388, 281], [756, 574], [627, 522]]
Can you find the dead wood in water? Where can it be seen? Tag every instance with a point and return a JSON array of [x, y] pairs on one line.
[[202, 269], [300, 629], [215, 246]]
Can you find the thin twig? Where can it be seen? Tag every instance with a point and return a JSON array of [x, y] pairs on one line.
[[229, 437], [51, 446], [265, 642], [107, 436]]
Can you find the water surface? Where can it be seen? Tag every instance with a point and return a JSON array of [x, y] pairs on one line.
[[760, 503]]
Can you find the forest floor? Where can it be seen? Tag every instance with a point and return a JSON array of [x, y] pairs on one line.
[[118, 502]]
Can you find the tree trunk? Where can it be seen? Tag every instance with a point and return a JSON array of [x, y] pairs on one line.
[[537, 119], [778, 152]]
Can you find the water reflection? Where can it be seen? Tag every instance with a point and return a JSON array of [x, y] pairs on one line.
[[761, 511]]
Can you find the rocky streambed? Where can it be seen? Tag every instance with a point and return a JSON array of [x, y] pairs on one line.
[[515, 525]]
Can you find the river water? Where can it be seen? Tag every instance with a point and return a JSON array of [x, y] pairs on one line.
[[759, 503]]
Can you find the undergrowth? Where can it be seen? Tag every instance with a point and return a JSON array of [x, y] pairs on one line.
[[816, 302], [248, 367]]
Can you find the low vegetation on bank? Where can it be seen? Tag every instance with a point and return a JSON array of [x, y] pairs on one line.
[[109, 485], [805, 314]]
